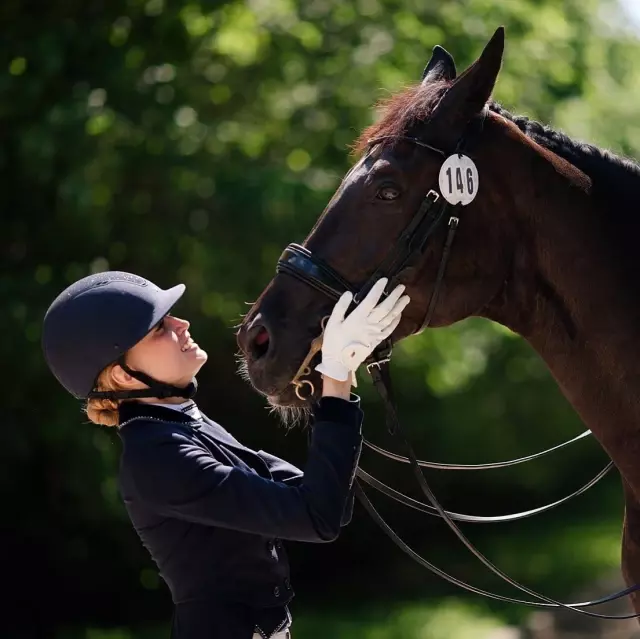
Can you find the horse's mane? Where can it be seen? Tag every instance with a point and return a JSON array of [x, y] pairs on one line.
[[617, 176], [611, 175]]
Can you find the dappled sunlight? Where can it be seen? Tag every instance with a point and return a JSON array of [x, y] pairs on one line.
[[450, 358], [191, 142]]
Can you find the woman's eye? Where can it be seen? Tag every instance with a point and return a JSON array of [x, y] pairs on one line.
[[388, 193]]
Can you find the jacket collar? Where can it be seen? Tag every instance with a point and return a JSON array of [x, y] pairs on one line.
[[130, 410]]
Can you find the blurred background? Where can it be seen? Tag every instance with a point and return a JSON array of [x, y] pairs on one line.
[[190, 142]]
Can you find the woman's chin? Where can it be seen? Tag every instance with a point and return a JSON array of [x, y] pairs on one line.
[[201, 355], [196, 354], [198, 358]]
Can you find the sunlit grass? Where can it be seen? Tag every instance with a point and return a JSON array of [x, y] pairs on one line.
[[451, 619]]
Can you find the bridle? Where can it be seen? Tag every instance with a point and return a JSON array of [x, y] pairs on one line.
[[299, 262]]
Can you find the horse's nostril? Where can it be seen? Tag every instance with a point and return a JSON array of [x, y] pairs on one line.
[[254, 338], [262, 336], [258, 342]]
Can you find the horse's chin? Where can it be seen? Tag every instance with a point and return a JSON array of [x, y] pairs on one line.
[[291, 414], [287, 399], [292, 410], [282, 398]]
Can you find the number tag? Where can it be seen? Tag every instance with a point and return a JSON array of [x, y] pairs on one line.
[[459, 180]]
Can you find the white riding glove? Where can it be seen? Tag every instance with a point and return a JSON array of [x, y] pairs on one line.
[[348, 342]]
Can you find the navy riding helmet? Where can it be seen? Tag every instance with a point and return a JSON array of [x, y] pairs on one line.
[[95, 321]]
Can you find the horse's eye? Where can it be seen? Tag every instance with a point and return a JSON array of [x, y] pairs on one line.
[[388, 193]]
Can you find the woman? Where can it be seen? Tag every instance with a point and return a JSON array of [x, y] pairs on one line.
[[210, 511]]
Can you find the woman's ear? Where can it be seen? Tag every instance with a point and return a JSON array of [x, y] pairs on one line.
[[120, 377]]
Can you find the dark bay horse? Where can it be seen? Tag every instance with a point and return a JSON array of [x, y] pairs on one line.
[[547, 248]]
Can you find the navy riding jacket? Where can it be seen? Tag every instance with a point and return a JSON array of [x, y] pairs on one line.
[[212, 513]]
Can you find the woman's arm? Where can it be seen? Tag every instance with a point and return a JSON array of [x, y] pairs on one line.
[[177, 477], [285, 472], [334, 388]]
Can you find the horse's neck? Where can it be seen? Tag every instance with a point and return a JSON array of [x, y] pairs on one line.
[[573, 299], [598, 370]]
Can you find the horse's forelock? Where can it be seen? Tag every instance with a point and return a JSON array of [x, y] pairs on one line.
[[401, 111]]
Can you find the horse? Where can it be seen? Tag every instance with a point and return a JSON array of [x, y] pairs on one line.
[[546, 248]]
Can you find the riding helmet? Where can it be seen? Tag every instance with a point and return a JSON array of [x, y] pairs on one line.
[[93, 323]]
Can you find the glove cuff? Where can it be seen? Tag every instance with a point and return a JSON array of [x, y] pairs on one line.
[[334, 369]]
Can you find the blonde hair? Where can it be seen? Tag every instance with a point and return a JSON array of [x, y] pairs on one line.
[[104, 411]]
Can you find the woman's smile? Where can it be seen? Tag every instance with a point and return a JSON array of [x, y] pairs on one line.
[[189, 345]]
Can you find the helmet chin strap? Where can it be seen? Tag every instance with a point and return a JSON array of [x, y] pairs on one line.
[[157, 389]]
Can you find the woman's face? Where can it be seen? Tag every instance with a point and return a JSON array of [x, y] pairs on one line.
[[167, 353]]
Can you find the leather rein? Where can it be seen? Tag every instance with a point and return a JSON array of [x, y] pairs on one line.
[[299, 262]]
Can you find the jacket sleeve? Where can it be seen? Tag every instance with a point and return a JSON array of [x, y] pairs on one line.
[[347, 513], [179, 478], [283, 471]]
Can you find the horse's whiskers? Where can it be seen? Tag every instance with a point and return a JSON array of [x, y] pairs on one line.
[[291, 416]]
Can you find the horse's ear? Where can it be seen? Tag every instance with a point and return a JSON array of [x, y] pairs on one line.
[[442, 66], [468, 95]]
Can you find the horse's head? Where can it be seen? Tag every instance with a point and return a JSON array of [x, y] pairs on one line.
[[375, 207]]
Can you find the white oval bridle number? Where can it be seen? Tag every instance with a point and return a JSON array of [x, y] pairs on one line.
[[459, 180]]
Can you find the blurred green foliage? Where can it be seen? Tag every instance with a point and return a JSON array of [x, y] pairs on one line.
[[401, 620], [191, 141]]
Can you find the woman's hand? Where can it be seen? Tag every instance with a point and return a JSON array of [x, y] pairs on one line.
[[349, 341]]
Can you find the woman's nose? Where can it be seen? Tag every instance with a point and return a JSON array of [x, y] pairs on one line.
[[254, 338], [178, 323]]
